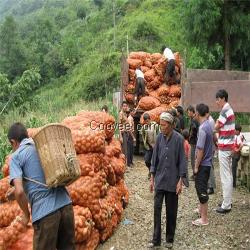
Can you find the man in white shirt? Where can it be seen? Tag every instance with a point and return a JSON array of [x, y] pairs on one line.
[[140, 84], [170, 69]]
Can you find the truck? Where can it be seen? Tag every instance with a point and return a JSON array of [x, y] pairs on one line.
[[198, 85]]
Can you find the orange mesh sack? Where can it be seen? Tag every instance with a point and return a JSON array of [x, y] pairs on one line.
[[85, 190], [134, 63], [155, 83], [100, 120], [155, 57], [4, 186], [25, 241], [154, 114], [113, 148], [144, 69], [88, 140], [91, 243], [8, 212], [131, 73], [9, 235], [175, 91], [83, 223], [148, 103], [130, 88], [129, 97], [139, 55], [175, 101], [154, 93], [148, 63], [149, 75]]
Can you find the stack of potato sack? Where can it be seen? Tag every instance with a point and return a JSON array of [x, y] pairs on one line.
[[100, 195], [160, 95]]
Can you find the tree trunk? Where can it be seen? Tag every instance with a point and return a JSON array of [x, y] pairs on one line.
[[227, 56]]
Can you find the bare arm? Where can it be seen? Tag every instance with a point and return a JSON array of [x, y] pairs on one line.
[[22, 199], [198, 160]]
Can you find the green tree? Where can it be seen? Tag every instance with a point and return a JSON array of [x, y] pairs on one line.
[[22, 89], [5, 88], [214, 23], [12, 52]]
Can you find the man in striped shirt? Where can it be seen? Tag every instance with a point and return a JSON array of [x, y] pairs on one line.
[[225, 125]]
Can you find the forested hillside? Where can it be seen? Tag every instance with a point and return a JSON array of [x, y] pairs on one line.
[[72, 48]]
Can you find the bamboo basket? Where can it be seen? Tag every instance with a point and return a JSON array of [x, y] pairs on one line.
[[57, 155]]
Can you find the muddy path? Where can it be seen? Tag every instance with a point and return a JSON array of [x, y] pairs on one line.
[[230, 231]]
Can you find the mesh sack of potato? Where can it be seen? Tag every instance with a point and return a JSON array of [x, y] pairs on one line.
[[129, 97], [134, 63], [155, 57], [154, 114], [4, 186], [8, 212], [175, 91], [83, 223], [155, 83], [148, 103], [91, 243], [141, 55], [150, 75]]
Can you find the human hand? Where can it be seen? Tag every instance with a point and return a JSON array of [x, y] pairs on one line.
[[121, 140], [179, 187], [151, 184], [10, 194], [24, 219]]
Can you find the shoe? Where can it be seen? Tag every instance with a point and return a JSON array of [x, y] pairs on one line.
[[220, 210], [169, 245], [220, 204], [153, 245], [210, 191], [199, 223]]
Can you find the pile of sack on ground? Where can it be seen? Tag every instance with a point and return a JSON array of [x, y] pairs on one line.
[[99, 196], [160, 95]]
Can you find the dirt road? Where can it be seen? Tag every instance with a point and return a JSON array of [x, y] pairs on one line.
[[230, 231]]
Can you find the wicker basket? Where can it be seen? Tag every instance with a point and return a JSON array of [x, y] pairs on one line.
[[57, 155]]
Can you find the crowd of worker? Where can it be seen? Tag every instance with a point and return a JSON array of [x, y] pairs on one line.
[[170, 145]]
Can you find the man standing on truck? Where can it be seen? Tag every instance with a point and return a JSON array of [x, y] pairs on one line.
[[52, 211], [140, 85], [225, 125], [149, 132], [170, 69], [167, 170]]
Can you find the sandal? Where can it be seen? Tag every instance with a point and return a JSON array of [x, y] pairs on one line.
[[198, 222]]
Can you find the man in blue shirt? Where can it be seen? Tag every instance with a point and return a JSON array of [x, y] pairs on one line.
[[203, 162], [52, 211]]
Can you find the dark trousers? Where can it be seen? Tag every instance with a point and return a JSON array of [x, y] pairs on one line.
[[235, 160], [201, 182], [193, 156], [130, 154], [140, 87], [147, 157], [125, 145], [55, 231], [171, 201]]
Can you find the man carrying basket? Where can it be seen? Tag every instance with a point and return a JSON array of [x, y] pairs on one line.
[[52, 211]]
